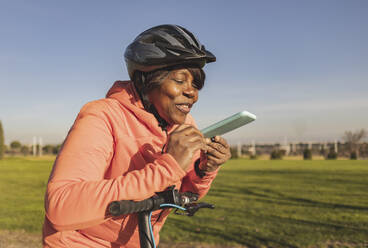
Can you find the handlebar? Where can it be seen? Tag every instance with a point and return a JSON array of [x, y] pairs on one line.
[[117, 208], [168, 198]]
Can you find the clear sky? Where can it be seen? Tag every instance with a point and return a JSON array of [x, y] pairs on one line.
[[300, 66]]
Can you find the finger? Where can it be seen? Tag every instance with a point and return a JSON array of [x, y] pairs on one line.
[[222, 141], [214, 161], [218, 147], [215, 152]]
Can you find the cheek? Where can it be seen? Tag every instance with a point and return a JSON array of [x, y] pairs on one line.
[[171, 90], [196, 97]]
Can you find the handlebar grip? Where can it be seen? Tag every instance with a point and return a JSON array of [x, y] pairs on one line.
[[117, 208]]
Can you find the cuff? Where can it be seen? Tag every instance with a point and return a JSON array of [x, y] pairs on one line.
[[200, 173]]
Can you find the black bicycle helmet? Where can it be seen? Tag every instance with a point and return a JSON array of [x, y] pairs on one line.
[[165, 46]]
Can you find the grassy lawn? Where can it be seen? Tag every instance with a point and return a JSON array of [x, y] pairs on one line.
[[259, 203], [22, 186]]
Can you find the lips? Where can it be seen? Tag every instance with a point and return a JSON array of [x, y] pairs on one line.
[[184, 107]]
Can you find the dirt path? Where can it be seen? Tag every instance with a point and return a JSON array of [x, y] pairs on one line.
[[22, 239], [19, 239]]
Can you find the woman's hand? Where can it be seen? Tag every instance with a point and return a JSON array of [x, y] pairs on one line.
[[218, 152], [183, 143]]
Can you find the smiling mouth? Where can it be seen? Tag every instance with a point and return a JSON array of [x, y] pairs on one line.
[[185, 107]]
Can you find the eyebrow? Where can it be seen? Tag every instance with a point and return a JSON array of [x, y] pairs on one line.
[[182, 73]]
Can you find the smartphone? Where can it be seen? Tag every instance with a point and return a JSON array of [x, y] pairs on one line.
[[228, 124]]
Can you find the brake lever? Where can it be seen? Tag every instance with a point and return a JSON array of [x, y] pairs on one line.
[[192, 208]]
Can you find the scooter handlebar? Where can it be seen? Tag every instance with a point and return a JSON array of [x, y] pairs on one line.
[[117, 208]]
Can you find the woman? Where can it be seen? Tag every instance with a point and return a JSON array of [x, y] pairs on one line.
[[137, 141]]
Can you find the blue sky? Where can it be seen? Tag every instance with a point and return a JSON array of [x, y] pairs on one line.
[[300, 66]]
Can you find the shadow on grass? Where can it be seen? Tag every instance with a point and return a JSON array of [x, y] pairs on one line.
[[339, 177], [242, 237], [272, 194], [328, 226], [267, 193], [280, 198]]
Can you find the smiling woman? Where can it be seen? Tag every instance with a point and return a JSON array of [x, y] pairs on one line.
[[176, 93], [137, 141]]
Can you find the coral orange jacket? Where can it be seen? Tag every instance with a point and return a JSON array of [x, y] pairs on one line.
[[112, 152]]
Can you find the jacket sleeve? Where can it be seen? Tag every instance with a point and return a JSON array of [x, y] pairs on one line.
[[77, 194], [192, 182]]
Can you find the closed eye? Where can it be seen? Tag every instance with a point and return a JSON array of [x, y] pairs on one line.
[[195, 85], [178, 81]]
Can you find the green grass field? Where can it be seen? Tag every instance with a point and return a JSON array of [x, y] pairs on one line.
[[259, 203]]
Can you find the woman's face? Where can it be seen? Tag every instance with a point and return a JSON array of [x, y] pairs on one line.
[[175, 96]]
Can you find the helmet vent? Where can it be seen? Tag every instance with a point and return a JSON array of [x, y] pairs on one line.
[[172, 52]]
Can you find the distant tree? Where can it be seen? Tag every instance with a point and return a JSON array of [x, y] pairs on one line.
[[15, 144], [2, 145], [353, 141], [48, 149], [253, 156], [56, 149], [364, 150], [38, 149], [276, 154], [307, 154], [234, 152], [331, 154], [24, 150], [353, 156]]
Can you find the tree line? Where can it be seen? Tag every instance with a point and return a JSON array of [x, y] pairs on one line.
[[17, 148], [2, 141], [353, 147]]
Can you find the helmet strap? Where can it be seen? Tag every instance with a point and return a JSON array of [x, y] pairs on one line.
[[140, 87]]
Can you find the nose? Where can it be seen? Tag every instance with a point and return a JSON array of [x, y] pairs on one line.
[[190, 91]]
